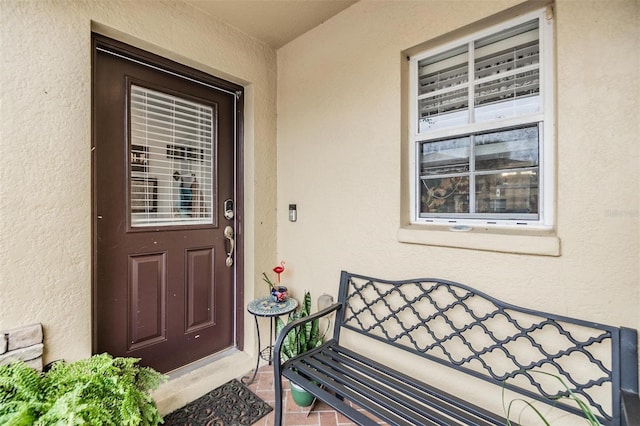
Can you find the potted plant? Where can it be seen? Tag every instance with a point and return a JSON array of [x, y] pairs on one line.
[[300, 340], [97, 390]]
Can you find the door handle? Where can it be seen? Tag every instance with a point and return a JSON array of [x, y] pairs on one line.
[[228, 233]]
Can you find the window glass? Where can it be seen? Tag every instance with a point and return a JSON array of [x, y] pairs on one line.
[[171, 159], [508, 149], [506, 72], [515, 188], [445, 176], [445, 195], [507, 192], [442, 85], [443, 157], [501, 165]]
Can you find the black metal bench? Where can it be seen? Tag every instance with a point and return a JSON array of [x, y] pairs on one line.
[[457, 326]]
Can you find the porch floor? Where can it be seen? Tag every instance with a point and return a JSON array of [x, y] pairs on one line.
[[321, 414]]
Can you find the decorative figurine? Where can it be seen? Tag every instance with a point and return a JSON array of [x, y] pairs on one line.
[[279, 293]]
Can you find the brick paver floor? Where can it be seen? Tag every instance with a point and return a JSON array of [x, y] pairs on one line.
[[321, 414]]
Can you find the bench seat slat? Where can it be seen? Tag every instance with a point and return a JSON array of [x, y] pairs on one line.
[[389, 395], [380, 405], [376, 392], [331, 400], [397, 391], [351, 391], [419, 389]]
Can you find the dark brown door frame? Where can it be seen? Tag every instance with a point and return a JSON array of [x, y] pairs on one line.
[[215, 83]]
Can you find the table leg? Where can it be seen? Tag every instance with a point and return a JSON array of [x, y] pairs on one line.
[[255, 370], [272, 322]]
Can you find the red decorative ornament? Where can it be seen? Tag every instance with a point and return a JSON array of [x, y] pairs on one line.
[[279, 269]]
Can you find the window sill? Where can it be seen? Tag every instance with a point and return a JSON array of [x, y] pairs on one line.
[[498, 240]]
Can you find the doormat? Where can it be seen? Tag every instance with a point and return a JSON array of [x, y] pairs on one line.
[[231, 404]]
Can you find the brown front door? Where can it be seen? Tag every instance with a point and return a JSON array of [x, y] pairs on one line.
[[165, 163]]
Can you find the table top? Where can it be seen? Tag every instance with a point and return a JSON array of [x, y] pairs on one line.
[[266, 307]]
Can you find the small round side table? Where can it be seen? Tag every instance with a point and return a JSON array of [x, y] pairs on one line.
[[266, 307]]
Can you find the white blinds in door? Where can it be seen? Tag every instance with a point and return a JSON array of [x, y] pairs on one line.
[[171, 159]]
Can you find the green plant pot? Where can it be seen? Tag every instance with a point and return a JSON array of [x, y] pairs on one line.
[[300, 396]]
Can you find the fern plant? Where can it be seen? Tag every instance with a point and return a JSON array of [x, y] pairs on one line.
[[101, 390], [21, 393]]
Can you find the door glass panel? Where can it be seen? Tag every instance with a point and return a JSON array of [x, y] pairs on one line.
[[171, 148]]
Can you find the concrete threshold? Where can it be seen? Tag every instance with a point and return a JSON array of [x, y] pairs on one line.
[[190, 382]]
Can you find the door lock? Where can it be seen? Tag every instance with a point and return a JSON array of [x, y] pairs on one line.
[[228, 234], [228, 209]]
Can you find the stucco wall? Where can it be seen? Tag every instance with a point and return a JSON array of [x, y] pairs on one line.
[[340, 158], [45, 146]]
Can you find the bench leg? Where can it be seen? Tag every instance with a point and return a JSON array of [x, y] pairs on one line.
[[277, 381]]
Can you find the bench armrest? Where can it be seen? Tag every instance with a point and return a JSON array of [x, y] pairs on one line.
[[630, 408], [280, 339]]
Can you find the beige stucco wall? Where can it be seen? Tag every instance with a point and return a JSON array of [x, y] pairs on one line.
[[340, 159], [45, 146]]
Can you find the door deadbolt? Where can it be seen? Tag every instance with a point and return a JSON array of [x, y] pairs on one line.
[[228, 209]]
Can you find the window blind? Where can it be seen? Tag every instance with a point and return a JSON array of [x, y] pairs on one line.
[[171, 149], [443, 88], [505, 75]]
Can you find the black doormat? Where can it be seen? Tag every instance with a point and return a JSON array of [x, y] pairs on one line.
[[231, 404]]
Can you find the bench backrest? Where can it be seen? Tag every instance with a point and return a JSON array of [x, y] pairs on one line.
[[465, 329]]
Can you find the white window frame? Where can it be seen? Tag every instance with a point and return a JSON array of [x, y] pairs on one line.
[[545, 117]]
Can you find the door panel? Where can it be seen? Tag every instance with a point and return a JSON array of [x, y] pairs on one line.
[[147, 301], [200, 289], [164, 161]]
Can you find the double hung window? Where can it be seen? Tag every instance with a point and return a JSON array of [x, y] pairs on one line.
[[481, 127]]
